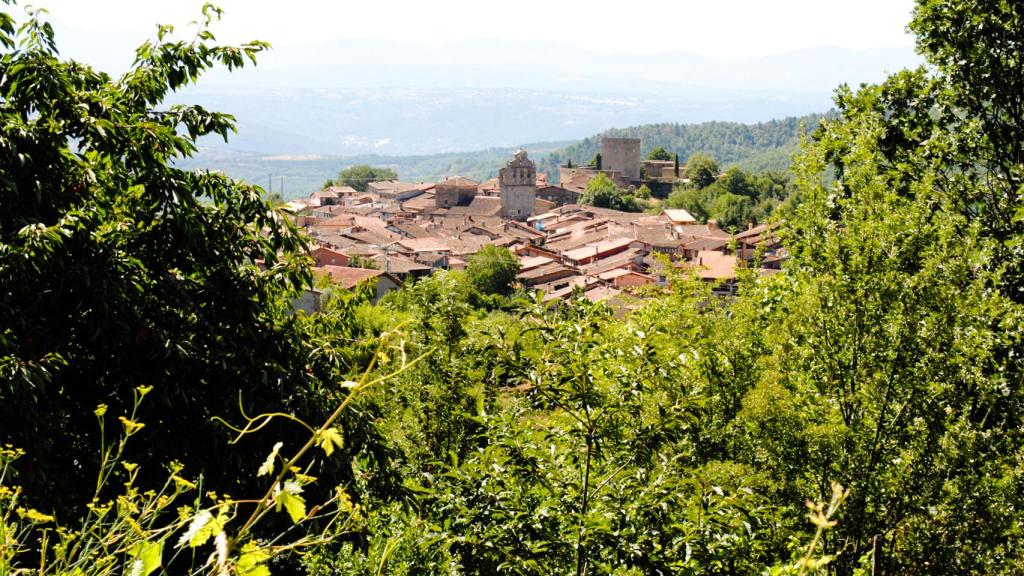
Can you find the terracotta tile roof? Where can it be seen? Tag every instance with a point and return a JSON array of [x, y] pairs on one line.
[[705, 243], [428, 244], [491, 185], [757, 230], [763, 234], [468, 244], [387, 187], [552, 293], [374, 237], [597, 249], [577, 183], [601, 293], [613, 274], [420, 203], [337, 221], [679, 216], [320, 194], [572, 242], [325, 252], [621, 260], [531, 262], [459, 181], [480, 206], [545, 270], [412, 230], [713, 265], [348, 277], [399, 264], [700, 230]]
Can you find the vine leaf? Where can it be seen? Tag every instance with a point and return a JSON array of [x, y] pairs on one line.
[[329, 439], [268, 465], [288, 497], [146, 556], [251, 563]]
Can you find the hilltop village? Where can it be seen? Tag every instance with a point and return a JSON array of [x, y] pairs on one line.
[[398, 230]]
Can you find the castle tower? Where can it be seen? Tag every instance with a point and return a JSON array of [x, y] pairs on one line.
[[621, 155], [518, 186]]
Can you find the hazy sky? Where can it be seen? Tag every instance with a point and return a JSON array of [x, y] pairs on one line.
[[718, 29]]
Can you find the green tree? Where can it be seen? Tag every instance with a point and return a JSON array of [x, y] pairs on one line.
[[690, 199], [675, 162], [701, 170], [493, 269], [602, 192], [360, 175], [596, 162], [731, 210], [659, 153], [736, 181], [119, 270], [912, 248]]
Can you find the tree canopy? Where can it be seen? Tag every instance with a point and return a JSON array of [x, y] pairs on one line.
[[602, 192], [701, 170], [119, 270], [737, 198], [360, 176], [659, 153], [493, 269]]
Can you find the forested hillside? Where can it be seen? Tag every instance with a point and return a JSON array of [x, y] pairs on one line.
[[166, 409], [753, 147]]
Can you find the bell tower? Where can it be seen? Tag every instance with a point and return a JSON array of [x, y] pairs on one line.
[[518, 187]]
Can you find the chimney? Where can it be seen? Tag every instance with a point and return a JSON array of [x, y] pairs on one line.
[[713, 224]]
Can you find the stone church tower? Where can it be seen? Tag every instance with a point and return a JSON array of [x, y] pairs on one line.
[[518, 184]]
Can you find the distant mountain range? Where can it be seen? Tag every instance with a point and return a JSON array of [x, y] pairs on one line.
[[417, 121], [356, 97]]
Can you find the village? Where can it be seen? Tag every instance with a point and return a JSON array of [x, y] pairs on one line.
[[397, 230]]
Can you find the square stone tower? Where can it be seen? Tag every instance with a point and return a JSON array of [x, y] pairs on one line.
[[621, 155], [518, 187]]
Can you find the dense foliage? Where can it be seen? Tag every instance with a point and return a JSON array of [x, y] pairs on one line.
[[119, 270], [683, 438], [659, 153], [494, 432], [493, 269], [733, 199], [602, 192]]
